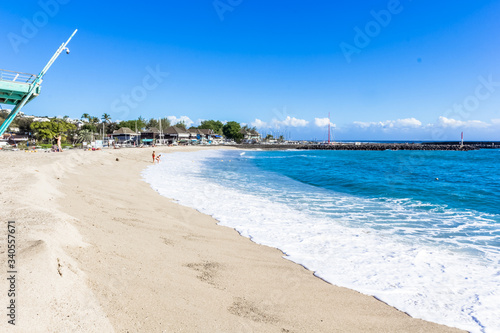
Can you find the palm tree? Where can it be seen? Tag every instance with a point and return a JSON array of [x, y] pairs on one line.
[[85, 135], [86, 116], [106, 117]]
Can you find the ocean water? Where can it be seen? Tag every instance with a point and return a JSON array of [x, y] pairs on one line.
[[419, 230]]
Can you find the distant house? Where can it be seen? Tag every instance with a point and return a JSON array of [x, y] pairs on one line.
[[176, 134], [195, 134], [201, 134], [211, 136], [125, 134], [15, 139], [208, 133], [250, 136], [41, 119], [217, 139], [151, 135], [78, 123], [14, 129]]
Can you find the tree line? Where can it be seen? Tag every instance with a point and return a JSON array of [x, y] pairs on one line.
[[93, 127]]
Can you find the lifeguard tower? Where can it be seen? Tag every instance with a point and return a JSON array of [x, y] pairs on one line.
[[20, 88]]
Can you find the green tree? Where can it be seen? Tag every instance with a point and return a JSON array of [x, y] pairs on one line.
[[94, 120], [84, 135], [214, 125], [165, 122], [24, 124], [248, 128], [106, 118], [232, 131], [4, 114], [141, 124], [48, 130], [269, 137], [181, 124], [90, 127], [110, 127], [86, 116], [153, 123]]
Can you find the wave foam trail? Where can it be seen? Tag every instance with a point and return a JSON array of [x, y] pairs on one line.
[[394, 249]]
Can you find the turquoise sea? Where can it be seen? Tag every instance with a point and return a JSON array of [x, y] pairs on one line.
[[419, 230]]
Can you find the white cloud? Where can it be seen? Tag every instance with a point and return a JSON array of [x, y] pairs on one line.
[[174, 120], [399, 123], [408, 122], [322, 122], [495, 121], [290, 121], [363, 124], [258, 123], [453, 123]]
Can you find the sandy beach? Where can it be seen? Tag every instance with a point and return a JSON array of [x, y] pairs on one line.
[[99, 251]]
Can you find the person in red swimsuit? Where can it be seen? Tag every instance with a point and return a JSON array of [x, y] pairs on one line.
[[154, 157]]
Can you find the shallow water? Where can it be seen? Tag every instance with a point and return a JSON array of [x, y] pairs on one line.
[[419, 230]]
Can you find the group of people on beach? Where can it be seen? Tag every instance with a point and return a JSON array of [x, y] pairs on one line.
[[156, 158]]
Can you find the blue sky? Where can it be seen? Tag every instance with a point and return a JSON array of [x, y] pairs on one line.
[[394, 70]]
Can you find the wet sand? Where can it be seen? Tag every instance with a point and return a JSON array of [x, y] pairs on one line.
[[100, 251]]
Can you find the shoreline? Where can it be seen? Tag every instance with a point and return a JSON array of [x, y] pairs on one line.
[[134, 260]]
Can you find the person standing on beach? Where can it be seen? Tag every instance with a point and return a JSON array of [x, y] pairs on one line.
[[59, 147], [154, 157]]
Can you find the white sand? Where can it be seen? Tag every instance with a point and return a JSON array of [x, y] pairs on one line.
[[100, 251]]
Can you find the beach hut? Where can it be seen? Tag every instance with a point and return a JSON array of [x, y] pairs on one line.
[[150, 136], [125, 134], [175, 134], [250, 136]]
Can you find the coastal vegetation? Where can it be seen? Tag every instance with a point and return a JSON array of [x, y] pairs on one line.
[[89, 127], [22, 123], [232, 131], [214, 125], [48, 130]]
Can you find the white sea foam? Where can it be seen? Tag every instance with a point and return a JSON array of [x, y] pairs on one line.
[[339, 237]]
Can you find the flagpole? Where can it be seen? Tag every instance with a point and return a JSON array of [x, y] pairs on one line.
[[328, 127]]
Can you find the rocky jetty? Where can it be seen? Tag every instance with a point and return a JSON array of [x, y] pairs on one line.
[[388, 146], [362, 146]]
